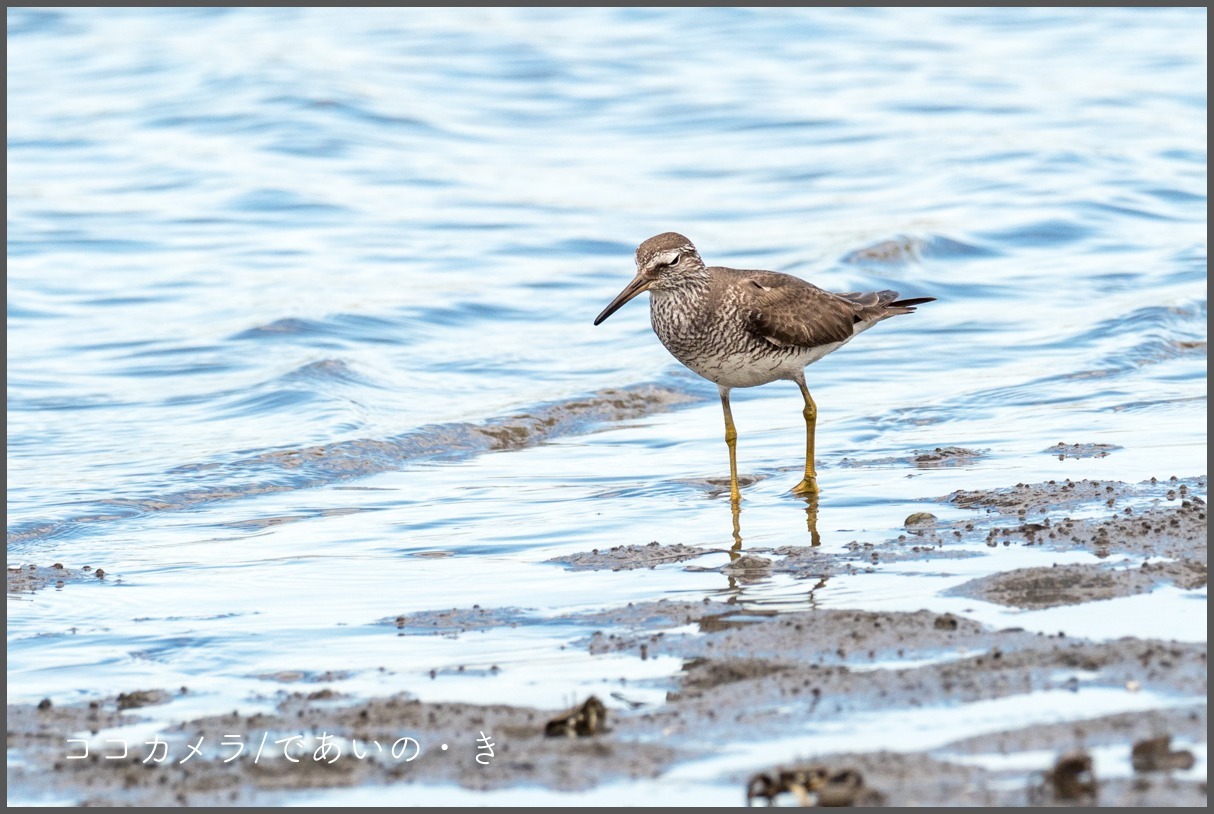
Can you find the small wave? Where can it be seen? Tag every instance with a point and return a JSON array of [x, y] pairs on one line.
[[325, 370], [324, 464], [279, 200], [1041, 233], [903, 249], [355, 326]]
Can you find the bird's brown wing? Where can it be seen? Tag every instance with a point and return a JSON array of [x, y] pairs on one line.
[[786, 310]]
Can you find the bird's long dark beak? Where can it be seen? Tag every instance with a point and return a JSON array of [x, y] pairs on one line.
[[638, 284]]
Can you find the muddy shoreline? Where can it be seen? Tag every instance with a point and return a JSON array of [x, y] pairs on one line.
[[748, 676]]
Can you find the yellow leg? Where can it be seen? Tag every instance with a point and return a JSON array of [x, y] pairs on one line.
[[808, 484], [731, 440]]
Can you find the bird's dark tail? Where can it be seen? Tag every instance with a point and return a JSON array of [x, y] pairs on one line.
[[910, 304]]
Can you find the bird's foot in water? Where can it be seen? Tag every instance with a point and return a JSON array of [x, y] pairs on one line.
[[808, 487]]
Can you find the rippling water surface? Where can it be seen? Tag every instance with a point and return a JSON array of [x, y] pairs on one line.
[[300, 302]]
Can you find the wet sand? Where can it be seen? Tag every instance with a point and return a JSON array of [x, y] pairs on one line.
[[748, 677]]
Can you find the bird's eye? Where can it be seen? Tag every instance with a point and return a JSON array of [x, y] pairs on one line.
[[668, 260]]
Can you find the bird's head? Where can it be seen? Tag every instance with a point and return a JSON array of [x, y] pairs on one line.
[[664, 262]]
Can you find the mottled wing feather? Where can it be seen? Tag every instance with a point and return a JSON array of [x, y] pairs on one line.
[[867, 298], [786, 310], [872, 305]]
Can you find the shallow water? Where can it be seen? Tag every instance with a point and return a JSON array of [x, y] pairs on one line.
[[300, 302]]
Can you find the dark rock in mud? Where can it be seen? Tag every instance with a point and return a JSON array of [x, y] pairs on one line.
[[1156, 755], [921, 519], [1071, 780], [580, 722], [814, 786]]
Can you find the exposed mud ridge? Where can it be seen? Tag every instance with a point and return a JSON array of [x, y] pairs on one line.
[[458, 620], [1055, 496], [803, 562], [628, 557], [1033, 588], [1064, 451], [330, 463], [937, 458], [717, 487], [25, 579], [460, 440], [1172, 526], [1158, 531]]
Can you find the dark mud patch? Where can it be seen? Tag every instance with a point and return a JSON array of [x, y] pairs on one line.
[[819, 562], [703, 674], [1064, 451], [457, 620], [947, 456], [716, 487], [644, 616], [26, 579], [48, 723], [629, 557], [938, 458], [305, 676], [955, 657], [1176, 530], [1058, 496], [1034, 588], [141, 698], [1172, 525]]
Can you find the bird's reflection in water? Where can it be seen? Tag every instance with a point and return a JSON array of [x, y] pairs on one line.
[[747, 570], [811, 524], [735, 507], [811, 519], [813, 600]]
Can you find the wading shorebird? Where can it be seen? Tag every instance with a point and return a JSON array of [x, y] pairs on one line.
[[743, 328]]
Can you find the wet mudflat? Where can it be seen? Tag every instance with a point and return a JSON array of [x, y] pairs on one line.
[[757, 690]]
